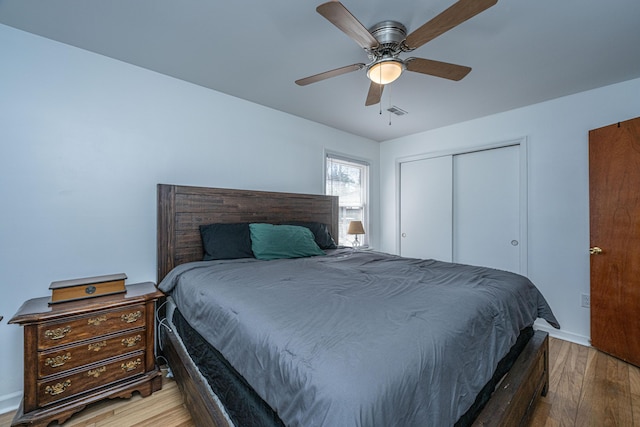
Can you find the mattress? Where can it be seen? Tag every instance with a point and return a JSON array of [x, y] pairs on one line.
[[358, 338]]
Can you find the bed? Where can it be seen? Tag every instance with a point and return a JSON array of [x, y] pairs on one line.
[[358, 352]]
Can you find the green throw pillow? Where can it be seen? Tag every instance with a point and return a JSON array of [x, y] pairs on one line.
[[269, 241]]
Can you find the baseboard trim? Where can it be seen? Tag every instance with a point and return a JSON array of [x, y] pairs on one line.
[[10, 402], [563, 335]]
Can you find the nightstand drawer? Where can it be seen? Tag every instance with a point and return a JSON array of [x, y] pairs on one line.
[[97, 324], [89, 378], [69, 357]]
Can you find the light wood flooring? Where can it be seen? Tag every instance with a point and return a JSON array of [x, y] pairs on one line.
[[163, 408], [587, 388]]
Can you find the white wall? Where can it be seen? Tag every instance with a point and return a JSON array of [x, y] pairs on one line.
[[84, 140], [558, 223]]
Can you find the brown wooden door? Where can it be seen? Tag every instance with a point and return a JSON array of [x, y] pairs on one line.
[[614, 190]]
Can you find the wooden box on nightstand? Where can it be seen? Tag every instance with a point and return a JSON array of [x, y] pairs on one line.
[[80, 352]]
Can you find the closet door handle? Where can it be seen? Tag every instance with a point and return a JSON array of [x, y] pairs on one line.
[[404, 234]]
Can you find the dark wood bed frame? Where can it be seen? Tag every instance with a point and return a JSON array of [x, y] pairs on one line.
[[182, 209]]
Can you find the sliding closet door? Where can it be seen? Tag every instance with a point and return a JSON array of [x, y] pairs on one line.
[[486, 208], [466, 207], [426, 208]]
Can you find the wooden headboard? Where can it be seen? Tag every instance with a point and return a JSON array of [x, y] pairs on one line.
[[182, 209]]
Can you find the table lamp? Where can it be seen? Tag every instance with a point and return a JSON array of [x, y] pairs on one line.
[[355, 227]]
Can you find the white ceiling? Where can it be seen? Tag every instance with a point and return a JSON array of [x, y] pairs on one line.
[[521, 52]]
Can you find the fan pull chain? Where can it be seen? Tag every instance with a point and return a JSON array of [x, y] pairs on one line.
[[389, 101], [381, 87]]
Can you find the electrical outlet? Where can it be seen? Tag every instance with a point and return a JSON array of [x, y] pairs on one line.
[[585, 300]]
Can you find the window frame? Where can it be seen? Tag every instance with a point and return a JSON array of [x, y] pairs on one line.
[[343, 238]]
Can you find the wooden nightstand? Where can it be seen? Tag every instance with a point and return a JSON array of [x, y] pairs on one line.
[[80, 352]]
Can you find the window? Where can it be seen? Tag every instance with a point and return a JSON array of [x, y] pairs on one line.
[[349, 179]]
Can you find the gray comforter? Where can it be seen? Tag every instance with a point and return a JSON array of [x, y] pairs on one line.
[[358, 338]]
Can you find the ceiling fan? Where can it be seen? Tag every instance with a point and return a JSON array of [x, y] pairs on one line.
[[385, 41]]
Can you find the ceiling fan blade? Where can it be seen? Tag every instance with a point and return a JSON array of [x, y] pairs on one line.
[[374, 95], [329, 74], [339, 16], [437, 68], [453, 16]]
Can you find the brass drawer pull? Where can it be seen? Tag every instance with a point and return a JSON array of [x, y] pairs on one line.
[[96, 372], [58, 360], [58, 388], [56, 334], [96, 346], [130, 366], [96, 321], [131, 317], [131, 341]]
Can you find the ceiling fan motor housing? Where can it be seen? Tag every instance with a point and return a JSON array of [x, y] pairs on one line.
[[390, 35], [386, 66]]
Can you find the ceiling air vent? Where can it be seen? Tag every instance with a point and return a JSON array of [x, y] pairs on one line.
[[397, 111]]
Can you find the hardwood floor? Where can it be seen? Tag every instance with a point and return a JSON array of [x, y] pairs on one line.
[[587, 388], [163, 408]]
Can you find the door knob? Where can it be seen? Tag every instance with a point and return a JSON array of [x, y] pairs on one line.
[[595, 250]]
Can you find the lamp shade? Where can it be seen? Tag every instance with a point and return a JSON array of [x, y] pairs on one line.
[[355, 227], [385, 71]]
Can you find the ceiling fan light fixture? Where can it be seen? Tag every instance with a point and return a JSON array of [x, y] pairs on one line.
[[385, 71]]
